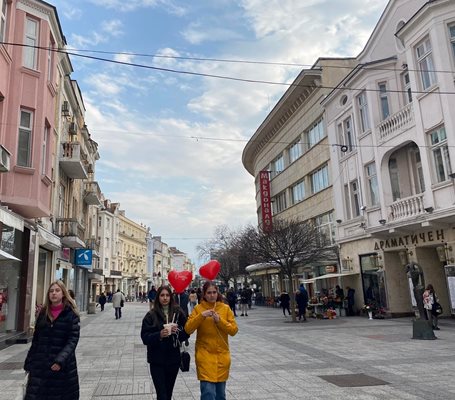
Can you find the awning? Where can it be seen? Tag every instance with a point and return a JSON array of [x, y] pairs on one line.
[[11, 219], [328, 276], [48, 240], [265, 268], [4, 256]]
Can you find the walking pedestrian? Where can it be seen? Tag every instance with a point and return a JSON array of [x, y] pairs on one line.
[[102, 300], [214, 321], [232, 299], [51, 360], [118, 300], [163, 345], [285, 300], [429, 299], [151, 295], [192, 300], [301, 298], [182, 300], [244, 295]]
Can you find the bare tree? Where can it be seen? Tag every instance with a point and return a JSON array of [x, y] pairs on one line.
[[289, 245], [224, 247]]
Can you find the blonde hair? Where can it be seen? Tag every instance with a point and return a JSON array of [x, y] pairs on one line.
[[67, 300]]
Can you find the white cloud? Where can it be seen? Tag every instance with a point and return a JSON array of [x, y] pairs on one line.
[[112, 27], [197, 33], [131, 5]]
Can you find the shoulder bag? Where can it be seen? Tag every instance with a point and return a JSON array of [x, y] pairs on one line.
[[185, 359]]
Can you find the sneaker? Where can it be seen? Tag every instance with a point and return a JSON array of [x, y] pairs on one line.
[[246, 315], [241, 315], [436, 329]]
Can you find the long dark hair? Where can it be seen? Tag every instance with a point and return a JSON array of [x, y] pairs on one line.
[[206, 286], [430, 288]]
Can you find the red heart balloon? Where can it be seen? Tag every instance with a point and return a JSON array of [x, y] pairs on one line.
[[179, 280], [210, 270]]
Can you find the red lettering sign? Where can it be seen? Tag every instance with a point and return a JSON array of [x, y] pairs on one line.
[[265, 201]]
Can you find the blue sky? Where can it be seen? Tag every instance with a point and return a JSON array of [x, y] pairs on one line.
[[152, 127]]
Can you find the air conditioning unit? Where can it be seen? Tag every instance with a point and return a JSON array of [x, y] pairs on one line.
[[65, 108], [5, 157], [72, 130]]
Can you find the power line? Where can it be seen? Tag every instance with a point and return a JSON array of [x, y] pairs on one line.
[[225, 77]]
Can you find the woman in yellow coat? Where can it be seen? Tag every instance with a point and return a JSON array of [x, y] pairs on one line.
[[214, 321]]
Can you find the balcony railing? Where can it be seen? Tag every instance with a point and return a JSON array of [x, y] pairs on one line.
[[116, 273], [71, 232], [92, 193], [407, 208], [396, 124], [72, 160]]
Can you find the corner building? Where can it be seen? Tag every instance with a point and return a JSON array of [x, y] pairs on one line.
[[393, 125]]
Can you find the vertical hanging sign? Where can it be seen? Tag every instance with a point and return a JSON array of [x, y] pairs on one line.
[[266, 205]]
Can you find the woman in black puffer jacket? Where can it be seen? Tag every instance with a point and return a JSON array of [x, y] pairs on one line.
[[51, 360], [163, 348]]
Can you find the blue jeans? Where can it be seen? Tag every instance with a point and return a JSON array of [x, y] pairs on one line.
[[213, 390]]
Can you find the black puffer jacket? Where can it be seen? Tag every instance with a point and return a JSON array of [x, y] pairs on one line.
[[54, 342], [164, 351]]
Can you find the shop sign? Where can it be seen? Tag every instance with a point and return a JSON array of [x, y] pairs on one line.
[[413, 239], [65, 253], [83, 257], [266, 204]]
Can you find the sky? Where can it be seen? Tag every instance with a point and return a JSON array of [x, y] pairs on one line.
[[171, 143]]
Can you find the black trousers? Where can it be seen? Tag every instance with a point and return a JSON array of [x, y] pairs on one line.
[[164, 377], [118, 312]]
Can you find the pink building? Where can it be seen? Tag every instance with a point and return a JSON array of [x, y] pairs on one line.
[[28, 139]]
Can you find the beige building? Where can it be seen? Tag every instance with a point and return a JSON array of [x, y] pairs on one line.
[[161, 261], [292, 145], [133, 250]]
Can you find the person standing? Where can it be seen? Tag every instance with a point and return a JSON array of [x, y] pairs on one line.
[[151, 295], [118, 300], [102, 300], [51, 359], [285, 300], [214, 321], [350, 296], [182, 300], [163, 347], [429, 299]]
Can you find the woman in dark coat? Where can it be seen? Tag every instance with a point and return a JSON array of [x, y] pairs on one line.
[[163, 348], [51, 360], [285, 300]]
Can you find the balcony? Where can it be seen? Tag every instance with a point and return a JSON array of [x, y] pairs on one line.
[[116, 273], [92, 194], [71, 232], [72, 160], [407, 208], [93, 244], [98, 271], [396, 124]]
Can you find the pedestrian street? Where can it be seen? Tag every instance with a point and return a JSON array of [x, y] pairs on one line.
[[272, 358]]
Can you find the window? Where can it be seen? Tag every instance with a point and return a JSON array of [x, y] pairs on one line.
[[107, 243], [440, 154], [407, 88], [372, 183], [279, 203], [295, 151], [277, 165], [298, 192], [384, 100], [319, 179], [99, 221], [452, 38], [326, 227], [314, 134], [394, 179], [425, 64], [50, 60], [363, 111], [45, 150], [106, 263], [31, 41], [352, 199], [3, 16], [24, 148], [345, 132]]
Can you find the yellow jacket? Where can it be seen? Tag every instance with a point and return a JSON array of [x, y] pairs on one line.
[[212, 348]]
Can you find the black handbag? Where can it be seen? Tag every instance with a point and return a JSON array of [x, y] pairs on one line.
[[436, 309], [185, 359]]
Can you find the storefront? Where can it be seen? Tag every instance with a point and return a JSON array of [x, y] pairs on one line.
[[11, 236]]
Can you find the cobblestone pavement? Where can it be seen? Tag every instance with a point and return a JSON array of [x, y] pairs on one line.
[[272, 358]]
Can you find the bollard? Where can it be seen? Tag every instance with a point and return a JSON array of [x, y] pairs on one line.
[[91, 308]]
